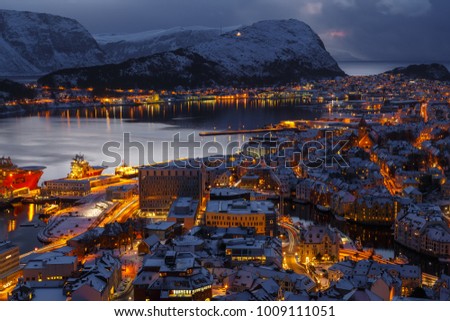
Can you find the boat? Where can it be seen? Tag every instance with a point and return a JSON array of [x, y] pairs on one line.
[[81, 169], [39, 200], [48, 210], [126, 171], [16, 180]]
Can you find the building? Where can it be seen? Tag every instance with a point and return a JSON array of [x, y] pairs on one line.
[[161, 229], [413, 193], [9, 263], [288, 281], [147, 245], [445, 189], [253, 250], [68, 187], [174, 277], [160, 185], [184, 211], [86, 242], [303, 190], [188, 243], [385, 280], [424, 230], [230, 193], [97, 280], [122, 192], [260, 215], [374, 209], [52, 267], [319, 242]]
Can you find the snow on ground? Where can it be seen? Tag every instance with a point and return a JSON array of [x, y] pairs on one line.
[[74, 221]]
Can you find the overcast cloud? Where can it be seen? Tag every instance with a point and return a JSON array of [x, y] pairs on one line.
[[392, 30]]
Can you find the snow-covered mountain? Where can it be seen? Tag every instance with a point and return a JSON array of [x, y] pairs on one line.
[[270, 49], [267, 52], [121, 47], [37, 43]]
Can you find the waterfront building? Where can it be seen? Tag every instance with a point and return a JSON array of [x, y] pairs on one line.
[[374, 209], [424, 230], [70, 187], [319, 242]]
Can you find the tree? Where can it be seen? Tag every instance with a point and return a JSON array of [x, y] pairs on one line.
[[318, 256]]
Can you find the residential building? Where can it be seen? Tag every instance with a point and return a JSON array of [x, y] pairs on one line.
[[162, 229], [176, 276], [319, 242], [97, 280], [424, 230], [147, 245]]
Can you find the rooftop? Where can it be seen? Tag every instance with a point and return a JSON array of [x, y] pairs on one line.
[[160, 226], [240, 206], [183, 207], [6, 246]]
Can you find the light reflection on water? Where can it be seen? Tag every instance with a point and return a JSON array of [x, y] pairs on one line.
[[52, 138]]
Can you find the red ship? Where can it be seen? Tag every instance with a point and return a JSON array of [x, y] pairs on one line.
[[81, 169], [14, 179]]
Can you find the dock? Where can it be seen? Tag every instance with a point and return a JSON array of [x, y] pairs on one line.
[[248, 131]]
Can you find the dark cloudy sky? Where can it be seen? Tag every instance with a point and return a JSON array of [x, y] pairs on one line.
[[392, 30]]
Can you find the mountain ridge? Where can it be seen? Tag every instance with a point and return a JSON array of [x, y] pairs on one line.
[[37, 43], [264, 53]]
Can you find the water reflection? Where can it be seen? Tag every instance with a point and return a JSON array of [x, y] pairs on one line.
[[21, 226], [224, 113], [381, 239], [31, 211]]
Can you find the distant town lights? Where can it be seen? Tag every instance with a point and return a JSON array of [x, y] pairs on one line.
[[238, 34]]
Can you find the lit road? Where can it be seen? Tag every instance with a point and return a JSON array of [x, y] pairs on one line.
[[53, 246], [289, 259], [122, 212], [291, 263]]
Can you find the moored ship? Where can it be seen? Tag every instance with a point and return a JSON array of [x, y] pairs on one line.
[[126, 171], [16, 180], [80, 168]]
